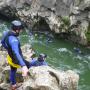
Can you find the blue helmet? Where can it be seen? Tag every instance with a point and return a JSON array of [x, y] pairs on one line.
[[16, 25]]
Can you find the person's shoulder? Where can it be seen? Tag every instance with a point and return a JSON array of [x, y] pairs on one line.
[[13, 39]]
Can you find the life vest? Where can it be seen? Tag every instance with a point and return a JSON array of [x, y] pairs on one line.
[[10, 57]]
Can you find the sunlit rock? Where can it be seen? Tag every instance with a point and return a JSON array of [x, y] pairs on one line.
[[27, 51], [46, 78]]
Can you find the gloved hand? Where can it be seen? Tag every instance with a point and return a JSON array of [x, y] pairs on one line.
[[24, 71]]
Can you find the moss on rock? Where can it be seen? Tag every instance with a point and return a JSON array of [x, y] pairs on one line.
[[66, 20], [88, 34]]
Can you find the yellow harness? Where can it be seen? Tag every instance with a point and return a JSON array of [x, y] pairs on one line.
[[10, 61]]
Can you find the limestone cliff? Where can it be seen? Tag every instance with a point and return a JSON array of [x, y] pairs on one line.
[[62, 16]]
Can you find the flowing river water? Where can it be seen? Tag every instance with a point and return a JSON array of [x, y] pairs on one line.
[[60, 54]]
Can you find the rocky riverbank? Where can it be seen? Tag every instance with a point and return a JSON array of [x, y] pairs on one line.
[[40, 78]]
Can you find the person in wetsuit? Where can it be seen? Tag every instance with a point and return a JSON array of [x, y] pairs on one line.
[[15, 58], [40, 61]]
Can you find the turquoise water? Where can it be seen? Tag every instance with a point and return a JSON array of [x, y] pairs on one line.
[[61, 55]]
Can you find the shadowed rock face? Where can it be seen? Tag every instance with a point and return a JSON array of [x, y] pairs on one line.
[[54, 13]]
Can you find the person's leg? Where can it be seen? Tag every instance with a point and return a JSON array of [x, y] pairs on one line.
[[13, 75]]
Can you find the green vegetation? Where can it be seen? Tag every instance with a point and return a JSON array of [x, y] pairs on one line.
[[88, 33], [66, 20], [24, 38], [65, 23]]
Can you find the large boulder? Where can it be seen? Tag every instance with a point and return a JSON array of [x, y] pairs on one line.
[[41, 78], [46, 78]]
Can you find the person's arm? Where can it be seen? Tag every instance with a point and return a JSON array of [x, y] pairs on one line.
[[32, 63], [15, 48], [14, 43]]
